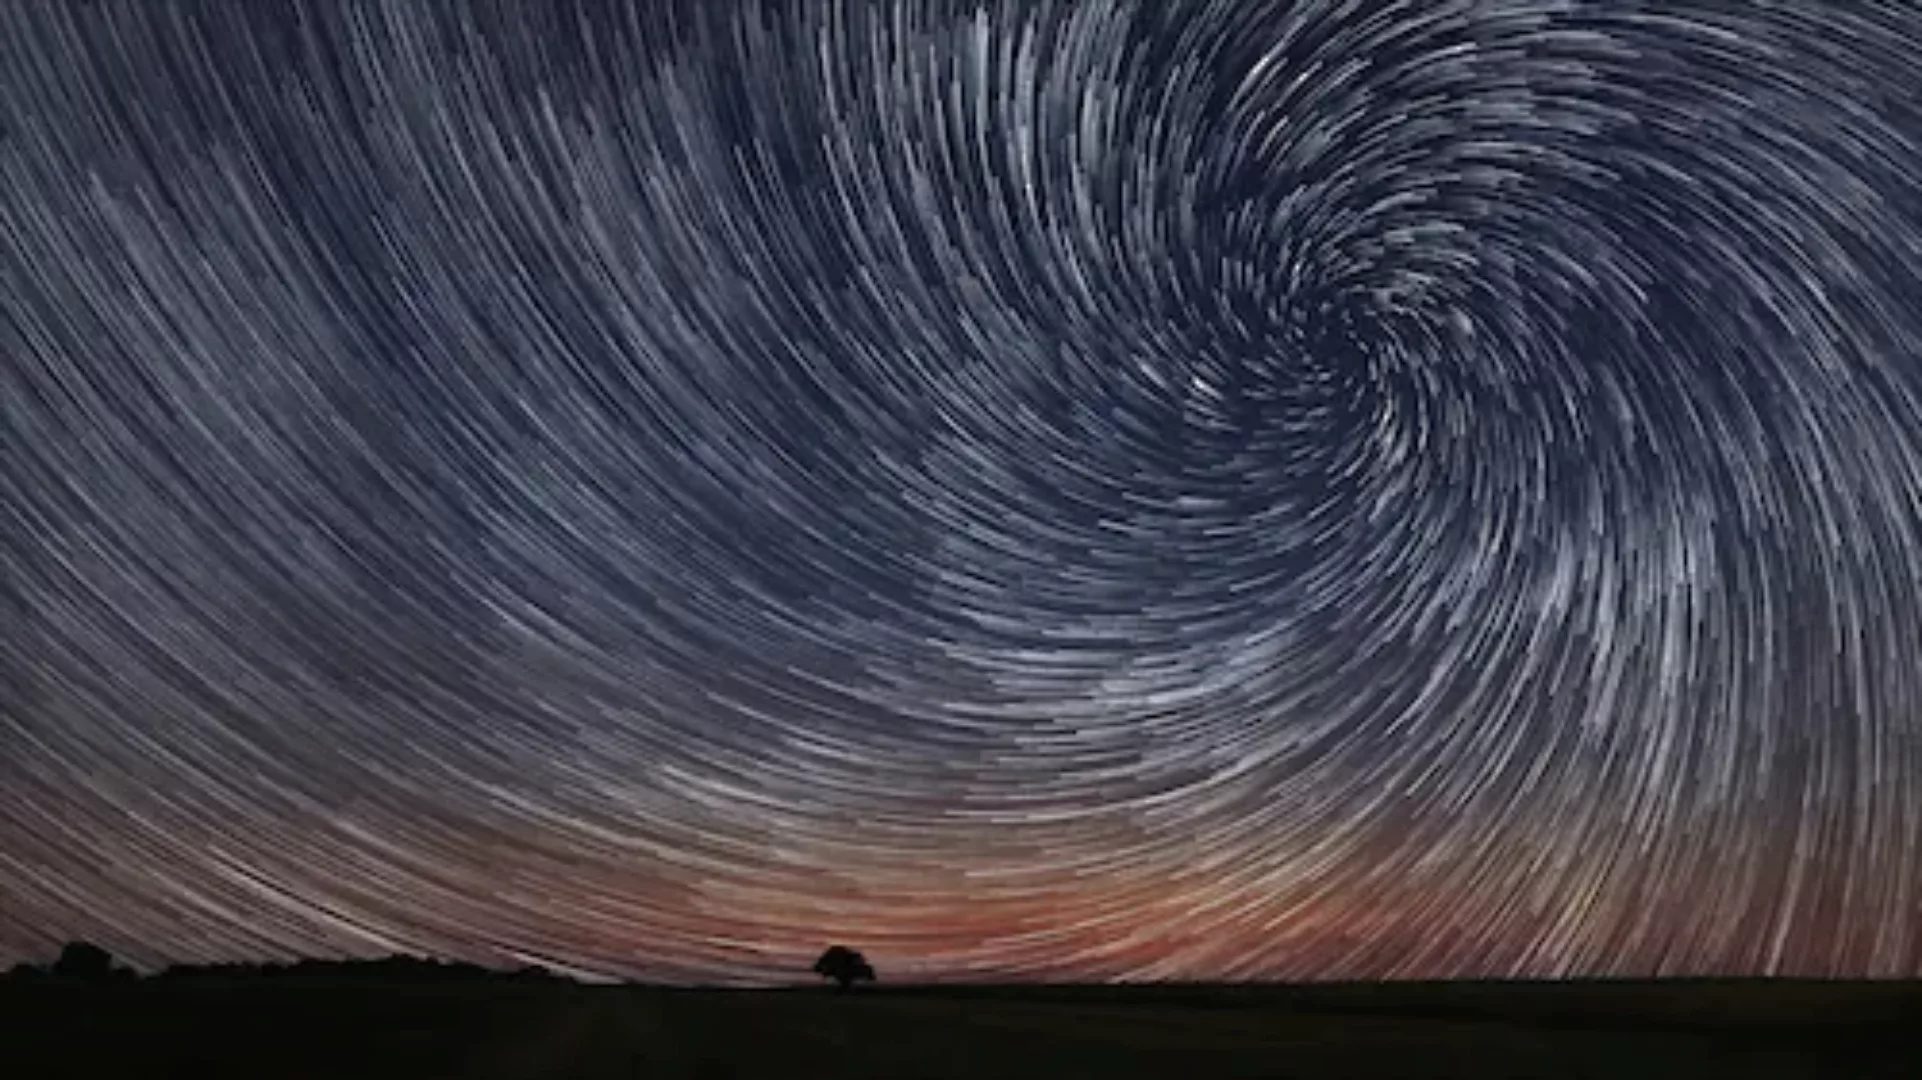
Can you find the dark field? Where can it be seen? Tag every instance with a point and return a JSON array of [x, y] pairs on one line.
[[281, 1029]]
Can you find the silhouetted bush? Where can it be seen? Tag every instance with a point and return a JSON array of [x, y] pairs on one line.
[[844, 965], [83, 960], [534, 973]]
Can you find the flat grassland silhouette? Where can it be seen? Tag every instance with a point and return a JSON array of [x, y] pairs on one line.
[[419, 1019]]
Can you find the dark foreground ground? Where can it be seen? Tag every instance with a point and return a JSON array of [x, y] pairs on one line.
[[277, 1029]]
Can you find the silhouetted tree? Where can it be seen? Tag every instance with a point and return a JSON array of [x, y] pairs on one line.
[[845, 966], [83, 960]]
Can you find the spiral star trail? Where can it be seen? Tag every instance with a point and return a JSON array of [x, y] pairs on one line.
[[1212, 489]]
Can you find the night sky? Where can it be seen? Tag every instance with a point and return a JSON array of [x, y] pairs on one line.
[[1034, 489]]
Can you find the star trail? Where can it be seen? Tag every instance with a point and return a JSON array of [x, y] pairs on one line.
[[1097, 490]]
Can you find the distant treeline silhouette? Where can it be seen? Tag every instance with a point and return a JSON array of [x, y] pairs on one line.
[[83, 961], [86, 962]]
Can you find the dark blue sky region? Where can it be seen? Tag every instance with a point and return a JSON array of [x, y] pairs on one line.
[[1202, 488]]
